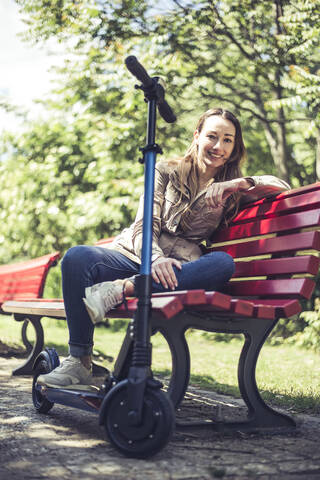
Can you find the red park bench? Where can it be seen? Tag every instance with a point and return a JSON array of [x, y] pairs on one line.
[[275, 243], [25, 280]]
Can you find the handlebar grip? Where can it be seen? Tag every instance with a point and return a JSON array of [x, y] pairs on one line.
[[135, 67], [166, 112]]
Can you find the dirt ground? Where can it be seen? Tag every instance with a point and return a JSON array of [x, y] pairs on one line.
[[69, 444]]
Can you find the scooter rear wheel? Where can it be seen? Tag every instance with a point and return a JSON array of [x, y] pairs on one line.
[[40, 402], [153, 432]]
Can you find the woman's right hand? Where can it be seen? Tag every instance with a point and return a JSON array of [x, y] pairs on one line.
[[218, 193], [162, 271]]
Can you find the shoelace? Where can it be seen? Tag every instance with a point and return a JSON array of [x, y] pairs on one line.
[[65, 363], [124, 300], [111, 299]]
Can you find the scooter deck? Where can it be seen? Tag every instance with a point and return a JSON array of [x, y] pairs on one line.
[[84, 397], [72, 388]]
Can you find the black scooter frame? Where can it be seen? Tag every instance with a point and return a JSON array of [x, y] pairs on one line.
[[144, 413]]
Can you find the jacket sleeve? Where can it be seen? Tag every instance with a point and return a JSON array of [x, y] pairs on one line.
[[160, 184], [263, 186]]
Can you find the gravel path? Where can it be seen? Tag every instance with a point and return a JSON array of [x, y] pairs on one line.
[[68, 444]]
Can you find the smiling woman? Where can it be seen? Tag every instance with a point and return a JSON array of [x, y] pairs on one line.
[[216, 155], [192, 196], [215, 144]]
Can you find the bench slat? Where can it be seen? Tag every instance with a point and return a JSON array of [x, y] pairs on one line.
[[279, 207], [284, 308], [295, 192], [275, 245], [21, 283], [278, 266], [52, 309], [25, 279], [294, 221], [165, 306], [169, 306], [263, 311], [45, 260], [104, 241], [291, 287], [187, 297], [241, 307]]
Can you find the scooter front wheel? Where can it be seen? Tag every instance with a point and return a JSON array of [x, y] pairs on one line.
[[151, 434]]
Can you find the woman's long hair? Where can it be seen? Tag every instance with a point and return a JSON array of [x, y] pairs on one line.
[[189, 173]]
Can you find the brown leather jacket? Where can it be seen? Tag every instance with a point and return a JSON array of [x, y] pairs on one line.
[[168, 239]]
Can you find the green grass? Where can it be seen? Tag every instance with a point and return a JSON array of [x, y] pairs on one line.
[[287, 376]]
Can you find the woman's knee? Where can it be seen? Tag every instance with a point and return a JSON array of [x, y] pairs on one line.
[[223, 262], [76, 257], [229, 265]]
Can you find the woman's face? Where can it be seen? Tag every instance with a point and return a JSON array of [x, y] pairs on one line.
[[215, 143]]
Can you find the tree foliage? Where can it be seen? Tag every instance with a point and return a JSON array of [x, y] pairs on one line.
[[74, 177], [302, 83]]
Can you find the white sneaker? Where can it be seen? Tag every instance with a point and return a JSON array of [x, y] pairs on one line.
[[101, 298], [70, 372]]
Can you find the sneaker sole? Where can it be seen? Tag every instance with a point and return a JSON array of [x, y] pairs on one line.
[[74, 386]]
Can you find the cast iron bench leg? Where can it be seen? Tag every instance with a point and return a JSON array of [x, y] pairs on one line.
[[179, 355], [27, 367], [24, 336], [259, 414]]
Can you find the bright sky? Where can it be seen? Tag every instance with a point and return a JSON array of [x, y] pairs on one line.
[[24, 68]]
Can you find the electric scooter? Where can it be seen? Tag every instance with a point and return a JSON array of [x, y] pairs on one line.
[[138, 416]]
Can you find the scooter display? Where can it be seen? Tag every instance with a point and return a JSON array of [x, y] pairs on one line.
[[138, 416]]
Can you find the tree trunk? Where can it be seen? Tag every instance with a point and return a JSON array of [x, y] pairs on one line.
[[282, 160], [318, 156], [278, 148]]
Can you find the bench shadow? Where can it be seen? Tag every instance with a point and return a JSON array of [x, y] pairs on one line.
[[308, 404]]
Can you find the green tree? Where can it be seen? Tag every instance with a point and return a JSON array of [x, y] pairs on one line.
[[75, 178], [232, 52], [302, 33]]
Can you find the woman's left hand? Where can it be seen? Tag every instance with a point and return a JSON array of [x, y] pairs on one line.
[[218, 193]]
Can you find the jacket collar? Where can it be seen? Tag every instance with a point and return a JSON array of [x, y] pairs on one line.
[[175, 180]]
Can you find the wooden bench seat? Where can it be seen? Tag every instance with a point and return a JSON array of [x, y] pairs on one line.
[[275, 244]]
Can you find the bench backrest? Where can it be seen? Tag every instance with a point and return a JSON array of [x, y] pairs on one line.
[[26, 279], [275, 243], [104, 242]]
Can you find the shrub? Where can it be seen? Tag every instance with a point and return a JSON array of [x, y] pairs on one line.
[[310, 336]]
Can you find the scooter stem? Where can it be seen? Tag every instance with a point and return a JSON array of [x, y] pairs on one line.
[[140, 369]]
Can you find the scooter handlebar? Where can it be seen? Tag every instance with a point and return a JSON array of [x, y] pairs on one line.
[[166, 112], [137, 70], [135, 67]]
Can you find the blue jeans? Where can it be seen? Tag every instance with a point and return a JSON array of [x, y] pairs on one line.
[[83, 266]]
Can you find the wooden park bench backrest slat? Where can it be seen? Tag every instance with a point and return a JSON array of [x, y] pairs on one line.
[[258, 226], [275, 244], [104, 241], [26, 279], [287, 244], [278, 267], [283, 288], [280, 206]]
